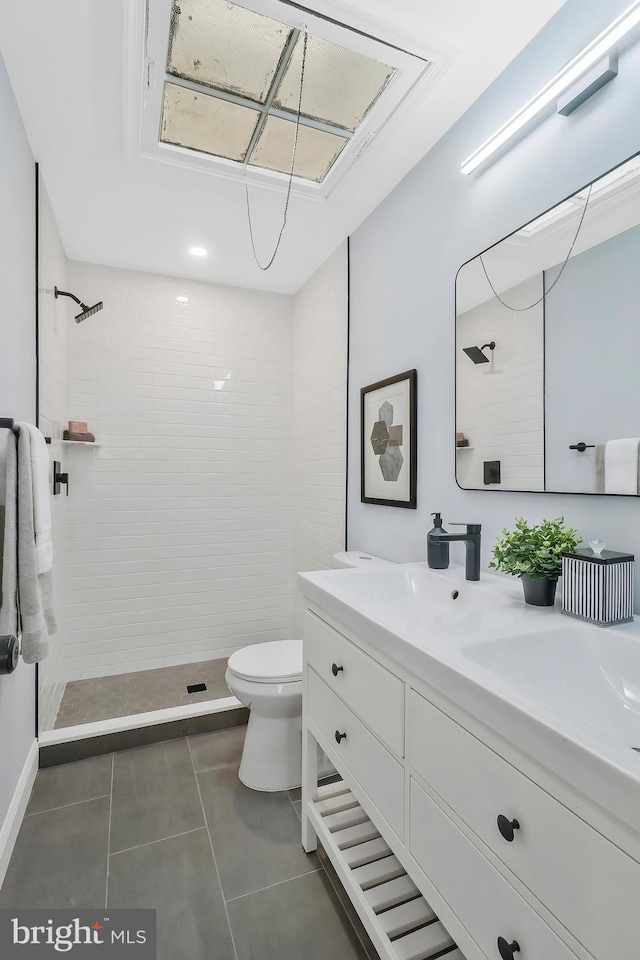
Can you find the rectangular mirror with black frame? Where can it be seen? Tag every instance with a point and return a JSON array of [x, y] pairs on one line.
[[548, 349]]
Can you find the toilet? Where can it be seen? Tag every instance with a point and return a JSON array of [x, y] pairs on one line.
[[267, 678]]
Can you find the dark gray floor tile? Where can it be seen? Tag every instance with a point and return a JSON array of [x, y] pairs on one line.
[[71, 783], [207, 722], [178, 878], [301, 918], [51, 756], [60, 859], [155, 795], [220, 749], [256, 836], [347, 906]]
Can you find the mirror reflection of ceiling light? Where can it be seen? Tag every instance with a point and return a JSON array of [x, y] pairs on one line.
[[198, 252], [182, 299], [588, 57], [618, 180]]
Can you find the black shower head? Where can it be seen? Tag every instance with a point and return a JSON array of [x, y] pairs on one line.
[[476, 354], [86, 311]]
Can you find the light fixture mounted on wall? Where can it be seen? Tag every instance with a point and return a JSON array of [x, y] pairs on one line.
[[589, 58]]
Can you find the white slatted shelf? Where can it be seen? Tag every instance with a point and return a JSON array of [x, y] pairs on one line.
[[354, 835], [366, 852], [403, 926], [390, 894], [423, 943], [344, 801], [327, 790], [346, 818], [373, 874], [406, 917]]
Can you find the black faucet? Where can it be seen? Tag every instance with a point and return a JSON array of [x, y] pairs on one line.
[[471, 540]]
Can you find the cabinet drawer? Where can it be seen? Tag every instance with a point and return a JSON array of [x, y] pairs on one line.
[[373, 693], [587, 882], [483, 901], [377, 772]]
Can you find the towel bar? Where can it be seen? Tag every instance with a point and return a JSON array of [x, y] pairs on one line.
[[7, 423], [582, 446]]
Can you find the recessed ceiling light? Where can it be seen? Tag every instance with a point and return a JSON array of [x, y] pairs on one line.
[[182, 299], [198, 252]]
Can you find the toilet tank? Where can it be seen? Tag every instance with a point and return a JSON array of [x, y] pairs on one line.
[[360, 559]]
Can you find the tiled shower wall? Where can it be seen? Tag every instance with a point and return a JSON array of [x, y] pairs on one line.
[[319, 422], [54, 319], [500, 405], [179, 535]]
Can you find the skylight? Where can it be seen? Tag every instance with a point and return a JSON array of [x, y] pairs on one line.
[[232, 87]]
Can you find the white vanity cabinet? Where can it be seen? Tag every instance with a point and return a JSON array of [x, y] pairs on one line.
[[438, 838]]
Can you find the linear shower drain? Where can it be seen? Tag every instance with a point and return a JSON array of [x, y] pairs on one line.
[[196, 687]]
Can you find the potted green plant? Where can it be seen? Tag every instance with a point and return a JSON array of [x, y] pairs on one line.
[[534, 553]]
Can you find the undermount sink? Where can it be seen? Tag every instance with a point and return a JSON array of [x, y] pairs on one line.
[[589, 673]]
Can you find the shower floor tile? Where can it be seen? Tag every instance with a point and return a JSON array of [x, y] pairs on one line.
[[123, 695]]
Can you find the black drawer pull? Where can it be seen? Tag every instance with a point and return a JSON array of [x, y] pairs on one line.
[[335, 669], [507, 827], [340, 736], [507, 950]]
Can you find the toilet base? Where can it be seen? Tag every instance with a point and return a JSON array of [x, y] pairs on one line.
[[272, 755]]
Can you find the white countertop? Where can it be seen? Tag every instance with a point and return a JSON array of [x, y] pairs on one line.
[[565, 693]]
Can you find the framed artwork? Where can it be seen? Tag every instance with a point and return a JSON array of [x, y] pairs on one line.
[[388, 441]]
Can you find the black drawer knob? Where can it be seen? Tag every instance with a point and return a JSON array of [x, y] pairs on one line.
[[507, 827], [340, 736], [335, 669], [507, 950]]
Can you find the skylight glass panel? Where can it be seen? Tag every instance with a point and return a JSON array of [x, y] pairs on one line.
[[225, 46], [199, 122], [317, 151], [340, 85]]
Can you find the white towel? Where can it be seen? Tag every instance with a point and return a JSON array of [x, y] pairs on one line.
[[621, 466], [40, 468], [27, 597]]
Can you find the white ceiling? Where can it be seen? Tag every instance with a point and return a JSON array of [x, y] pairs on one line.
[[67, 61]]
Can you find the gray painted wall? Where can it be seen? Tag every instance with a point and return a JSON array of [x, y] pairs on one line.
[[592, 353], [403, 267], [17, 386]]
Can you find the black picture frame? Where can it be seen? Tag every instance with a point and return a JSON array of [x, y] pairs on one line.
[[378, 466]]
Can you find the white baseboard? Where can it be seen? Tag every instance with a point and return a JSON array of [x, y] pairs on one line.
[[15, 813]]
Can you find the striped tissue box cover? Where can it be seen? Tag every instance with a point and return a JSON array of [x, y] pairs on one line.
[[598, 588]]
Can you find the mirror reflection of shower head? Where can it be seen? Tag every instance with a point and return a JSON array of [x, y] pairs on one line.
[[86, 311], [476, 354]]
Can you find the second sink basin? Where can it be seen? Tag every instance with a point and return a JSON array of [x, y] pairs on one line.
[[587, 672]]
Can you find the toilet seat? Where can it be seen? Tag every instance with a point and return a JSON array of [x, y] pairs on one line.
[[278, 661]]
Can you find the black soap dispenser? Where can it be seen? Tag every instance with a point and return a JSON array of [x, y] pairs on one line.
[[437, 552]]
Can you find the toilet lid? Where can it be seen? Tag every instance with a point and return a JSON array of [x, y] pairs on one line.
[[279, 661]]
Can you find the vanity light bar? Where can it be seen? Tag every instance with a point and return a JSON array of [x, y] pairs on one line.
[[587, 57]]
